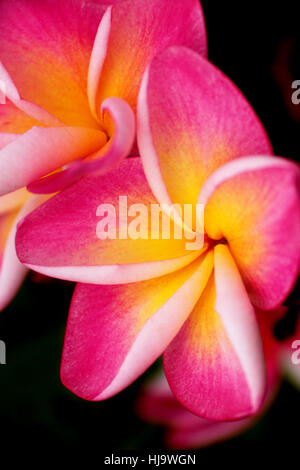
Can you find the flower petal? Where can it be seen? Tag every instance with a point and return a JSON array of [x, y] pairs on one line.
[[12, 272], [190, 120], [49, 60], [42, 150], [215, 365], [13, 120], [114, 333], [185, 430], [61, 238], [130, 35], [117, 148], [254, 204]]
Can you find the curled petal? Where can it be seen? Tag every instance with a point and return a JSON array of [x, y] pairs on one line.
[[254, 203], [42, 150], [114, 333], [190, 120], [118, 147]]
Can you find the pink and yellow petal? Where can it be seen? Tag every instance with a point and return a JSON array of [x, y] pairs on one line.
[[130, 35], [13, 120], [215, 365], [191, 119], [43, 150], [49, 60], [12, 272], [254, 204], [62, 238], [120, 118], [114, 333]]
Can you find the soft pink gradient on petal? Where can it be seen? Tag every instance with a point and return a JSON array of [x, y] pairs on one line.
[[191, 119], [215, 365], [114, 333], [49, 60], [42, 150], [10, 91], [254, 203]]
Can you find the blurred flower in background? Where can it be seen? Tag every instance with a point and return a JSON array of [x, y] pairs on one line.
[[184, 430]]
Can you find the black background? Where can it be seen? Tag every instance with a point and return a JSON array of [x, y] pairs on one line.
[[245, 40]]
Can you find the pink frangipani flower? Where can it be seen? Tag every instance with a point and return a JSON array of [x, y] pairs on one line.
[[70, 71], [199, 140]]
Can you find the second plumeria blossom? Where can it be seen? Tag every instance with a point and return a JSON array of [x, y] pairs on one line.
[[200, 142]]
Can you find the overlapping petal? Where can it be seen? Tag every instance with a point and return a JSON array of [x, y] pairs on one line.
[[191, 120], [254, 203], [215, 365], [42, 150], [115, 332], [109, 156], [130, 35], [46, 46], [60, 238]]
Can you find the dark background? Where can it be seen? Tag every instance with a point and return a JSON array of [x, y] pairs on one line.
[[257, 45]]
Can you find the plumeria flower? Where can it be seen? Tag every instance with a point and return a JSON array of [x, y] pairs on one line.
[[156, 403], [70, 72], [199, 140]]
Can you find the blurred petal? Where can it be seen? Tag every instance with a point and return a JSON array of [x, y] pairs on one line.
[[215, 365], [49, 60], [130, 35], [114, 333], [60, 238], [42, 150], [12, 272], [108, 157], [254, 204], [191, 119]]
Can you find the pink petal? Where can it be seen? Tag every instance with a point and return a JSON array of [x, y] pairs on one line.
[[46, 47], [130, 35], [42, 150], [215, 365], [12, 272], [254, 204], [184, 430], [114, 333], [190, 120], [60, 238], [13, 201], [107, 158]]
